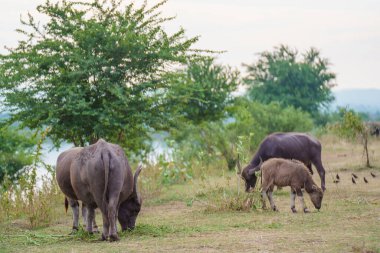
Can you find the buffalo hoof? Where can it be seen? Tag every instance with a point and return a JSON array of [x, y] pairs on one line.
[[114, 238], [74, 231], [275, 209], [294, 210], [103, 238], [306, 210]]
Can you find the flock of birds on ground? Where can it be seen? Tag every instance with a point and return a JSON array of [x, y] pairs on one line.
[[354, 178]]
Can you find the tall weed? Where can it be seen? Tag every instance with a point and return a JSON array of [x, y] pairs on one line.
[[226, 197], [30, 197]]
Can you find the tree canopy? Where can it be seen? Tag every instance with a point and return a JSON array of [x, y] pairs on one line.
[[95, 69], [284, 76], [202, 90]]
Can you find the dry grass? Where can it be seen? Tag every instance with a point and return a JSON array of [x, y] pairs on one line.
[[178, 218]]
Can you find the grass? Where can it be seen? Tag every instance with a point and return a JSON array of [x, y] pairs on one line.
[[192, 217]]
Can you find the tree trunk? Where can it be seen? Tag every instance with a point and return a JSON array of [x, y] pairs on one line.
[[365, 139]]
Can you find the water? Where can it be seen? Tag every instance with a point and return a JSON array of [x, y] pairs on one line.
[[159, 147]]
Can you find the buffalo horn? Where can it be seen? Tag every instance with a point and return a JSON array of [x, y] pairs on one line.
[[257, 168]]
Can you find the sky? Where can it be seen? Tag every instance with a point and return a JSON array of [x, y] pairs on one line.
[[347, 32]]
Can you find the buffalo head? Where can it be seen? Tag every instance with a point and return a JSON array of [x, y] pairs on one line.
[[248, 174], [130, 208], [316, 196]]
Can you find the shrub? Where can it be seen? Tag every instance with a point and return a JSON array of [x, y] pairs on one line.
[[30, 198]]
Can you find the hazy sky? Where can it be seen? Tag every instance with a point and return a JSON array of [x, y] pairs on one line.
[[347, 32]]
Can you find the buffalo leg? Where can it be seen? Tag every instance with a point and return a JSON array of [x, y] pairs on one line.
[[292, 201], [310, 168], [75, 207], [112, 213], [270, 196], [106, 226], [263, 197], [84, 215], [90, 219], [300, 195], [95, 228], [265, 188], [321, 172]]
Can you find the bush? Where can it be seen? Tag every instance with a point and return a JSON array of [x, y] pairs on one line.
[[260, 119], [30, 198], [215, 144], [27, 196], [172, 173]]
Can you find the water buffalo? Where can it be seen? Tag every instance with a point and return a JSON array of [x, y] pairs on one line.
[[293, 173], [99, 175], [297, 146]]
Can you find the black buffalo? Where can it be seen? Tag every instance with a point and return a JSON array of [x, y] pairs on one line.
[[298, 146]]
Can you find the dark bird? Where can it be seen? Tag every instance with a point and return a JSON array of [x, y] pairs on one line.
[[353, 180], [373, 174], [355, 176], [336, 181], [365, 180], [337, 176]]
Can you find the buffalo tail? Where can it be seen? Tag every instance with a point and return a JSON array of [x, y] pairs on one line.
[[66, 204], [106, 163]]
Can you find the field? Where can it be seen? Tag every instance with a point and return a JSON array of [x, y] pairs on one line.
[[187, 217]]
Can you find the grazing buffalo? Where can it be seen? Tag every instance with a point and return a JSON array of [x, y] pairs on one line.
[[99, 175], [297, 146], [284, 172]]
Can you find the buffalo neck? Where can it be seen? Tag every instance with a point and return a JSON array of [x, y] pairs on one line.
[[309, 185], [256, 160]]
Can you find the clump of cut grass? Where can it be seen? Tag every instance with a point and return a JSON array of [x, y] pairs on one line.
[[149, 230], [223, 198], [31, 238], [83, 235]]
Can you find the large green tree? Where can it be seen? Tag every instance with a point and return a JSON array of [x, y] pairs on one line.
[[93, 70], [284, 76], [202, 90], [199, 96]]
